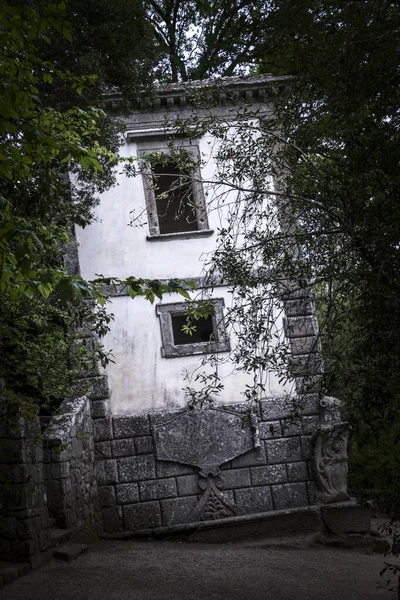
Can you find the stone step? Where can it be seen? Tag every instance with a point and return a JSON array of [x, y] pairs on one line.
[[59, 536], [241, 528], [10, 571], [70, 551]]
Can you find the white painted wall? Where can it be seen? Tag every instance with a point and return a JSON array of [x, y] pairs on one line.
[[141, 380]]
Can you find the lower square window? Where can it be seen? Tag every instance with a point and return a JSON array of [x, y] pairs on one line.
[[209, 336]]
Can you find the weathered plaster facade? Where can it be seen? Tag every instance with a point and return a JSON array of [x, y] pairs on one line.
[[141, 379]]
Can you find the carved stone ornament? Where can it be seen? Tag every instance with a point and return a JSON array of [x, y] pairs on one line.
[[330, 411], [213, 504], [207, 438], [204, 437], [329, 463]]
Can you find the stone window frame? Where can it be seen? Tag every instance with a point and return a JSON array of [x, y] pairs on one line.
[[163, 147], [171, 350]]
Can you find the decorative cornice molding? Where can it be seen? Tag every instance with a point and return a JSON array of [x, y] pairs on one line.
[[213, 92]]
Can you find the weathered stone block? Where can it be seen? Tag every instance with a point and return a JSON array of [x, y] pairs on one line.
[[269, 430], [188, 485], [14, 450], [9, 573], [305, 345], [106, 495], [112, 519], [299, 307], [126, 427], [250, 459], [236, 478], [77, 447], [96, 388], [297, 471], [99, 409], [144, 445], [291, 427], [103, 430], [70, 551], [301, 326], [160, 417], [12, 426], [25, 528], [157, 489], [304, 365], [142, 516], [8, 527], [283, 450], [99, 388], [136, 468], [306, 447], [310, 424], [106, 472], [16, 473], [127, 493], [346, 518], [170, 469], [290, 495], [102, 450], [60, 470], [253, 500], [307, 404], [269, 474], [290, 290], [61, 454], [311, 490], [123, 447], [276, 408], [177, 510], [309, 384]]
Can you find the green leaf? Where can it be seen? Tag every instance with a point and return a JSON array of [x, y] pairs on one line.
[[183, 293], [45, 289]]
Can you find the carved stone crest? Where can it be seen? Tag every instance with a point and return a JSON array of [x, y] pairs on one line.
[[329, 462], [206, 438]]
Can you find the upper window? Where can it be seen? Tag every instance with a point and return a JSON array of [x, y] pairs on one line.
[[175, 203], [208, 337], [173, 191]]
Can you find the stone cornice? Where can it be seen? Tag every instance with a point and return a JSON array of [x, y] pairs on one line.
[[214, 92]]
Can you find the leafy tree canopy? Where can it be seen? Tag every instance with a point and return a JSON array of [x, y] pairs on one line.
[[45, 135]]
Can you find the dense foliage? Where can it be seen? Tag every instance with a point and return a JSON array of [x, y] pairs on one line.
[[57, 152]]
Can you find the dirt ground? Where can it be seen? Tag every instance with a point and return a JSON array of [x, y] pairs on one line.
[[131, 570]]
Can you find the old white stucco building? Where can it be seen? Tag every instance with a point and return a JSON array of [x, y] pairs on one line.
[[147, 375], [160, 461]]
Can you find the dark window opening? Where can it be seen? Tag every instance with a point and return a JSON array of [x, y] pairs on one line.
[[204, 330], [174, 198]]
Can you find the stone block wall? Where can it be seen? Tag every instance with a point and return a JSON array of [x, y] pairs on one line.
[[69, 467], [137, 491], [24, 520]]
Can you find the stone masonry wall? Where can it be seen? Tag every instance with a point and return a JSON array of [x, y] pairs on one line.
[[69, 467], [24, 521], [137, 491]]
